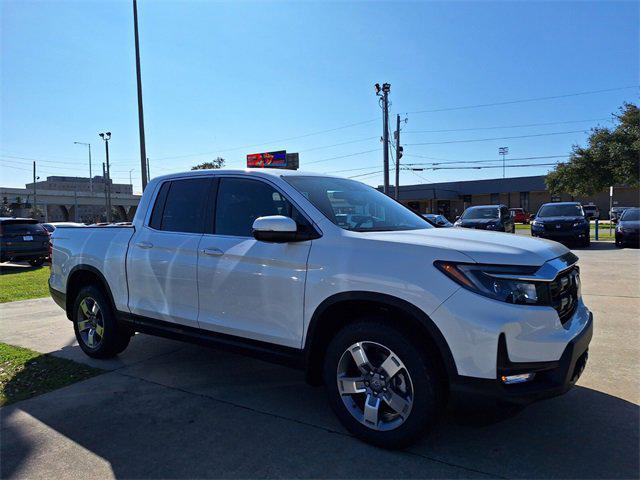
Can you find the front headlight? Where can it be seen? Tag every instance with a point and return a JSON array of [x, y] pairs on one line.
[[580, 223], [537, 223], [487, 280]]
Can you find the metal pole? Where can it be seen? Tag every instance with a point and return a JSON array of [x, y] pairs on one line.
[[610, 207], [131, 181], [106, 198], [385, 139], [148, 171], [106, 145], [35, 191], [397, 136], [75, 201], [90, 174], [143, 149]]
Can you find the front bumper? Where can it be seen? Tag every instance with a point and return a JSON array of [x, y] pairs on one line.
[[551, 378], [560, 234]]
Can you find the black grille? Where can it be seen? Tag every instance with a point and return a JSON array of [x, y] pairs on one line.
[[563, 293]]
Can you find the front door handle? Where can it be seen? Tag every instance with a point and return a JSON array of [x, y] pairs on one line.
[[144, 245], [213, 252]]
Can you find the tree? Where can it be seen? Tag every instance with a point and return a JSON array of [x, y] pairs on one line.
[[612, 157], [216, 163]]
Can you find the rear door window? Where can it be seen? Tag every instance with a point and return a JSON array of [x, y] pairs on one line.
[[17, 228], [183, 209]]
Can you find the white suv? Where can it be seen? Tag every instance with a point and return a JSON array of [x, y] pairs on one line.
[[331, 276]]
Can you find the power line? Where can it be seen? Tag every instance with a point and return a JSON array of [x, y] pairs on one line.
[[508, 126], [343, 156], [497, 138], [487, 160], [526, 100], [482, 167]]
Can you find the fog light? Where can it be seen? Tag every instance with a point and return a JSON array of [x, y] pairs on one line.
[[521, 378]]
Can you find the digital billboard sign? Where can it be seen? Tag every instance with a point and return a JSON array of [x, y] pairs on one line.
[[266, 160]]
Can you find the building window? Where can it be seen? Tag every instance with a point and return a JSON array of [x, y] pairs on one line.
[[495, 198], [524, 201]]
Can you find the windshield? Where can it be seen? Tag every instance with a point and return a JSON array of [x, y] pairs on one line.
[[355, 206], [565, 210], [631, 215], [480, 213]]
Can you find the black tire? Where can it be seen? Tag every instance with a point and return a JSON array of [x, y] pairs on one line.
[[115, 337], [426, 378], [586, 242], [37, 262]]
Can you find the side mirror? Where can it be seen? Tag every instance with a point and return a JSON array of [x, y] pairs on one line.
[[440, 222], [457, 218], [276, 229]]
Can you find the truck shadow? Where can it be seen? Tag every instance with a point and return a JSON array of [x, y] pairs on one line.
[[196, 413]]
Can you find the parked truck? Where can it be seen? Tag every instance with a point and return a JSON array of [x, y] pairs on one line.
[[393, 316]]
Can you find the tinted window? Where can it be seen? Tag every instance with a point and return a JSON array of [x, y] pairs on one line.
[[156, 214], [355, 206], [17, 228], [631, 215], [561, 210], [184, 207], [478, 213], [241, 201]]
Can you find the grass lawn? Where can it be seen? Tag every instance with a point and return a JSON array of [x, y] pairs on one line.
[[603, 231], [23, 283], [25, 373]]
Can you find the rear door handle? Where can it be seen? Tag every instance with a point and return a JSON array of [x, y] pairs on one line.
[[144, 245], [213, 252]]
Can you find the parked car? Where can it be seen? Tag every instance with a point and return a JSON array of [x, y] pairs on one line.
[[562, 221], [591, 211], [23, 240], [616, 212], [438, 221], [487, 217], [628, 229], [392, 315], [519, 215]]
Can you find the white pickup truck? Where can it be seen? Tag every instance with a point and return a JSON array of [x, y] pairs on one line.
[[331, 276]]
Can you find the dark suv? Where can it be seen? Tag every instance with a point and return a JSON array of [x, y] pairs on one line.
[[23, 239], [562, 221], [487, 217]]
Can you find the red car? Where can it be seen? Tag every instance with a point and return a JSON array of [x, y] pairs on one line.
[[519, 215]]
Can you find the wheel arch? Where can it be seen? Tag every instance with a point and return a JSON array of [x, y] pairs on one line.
[[339, 309], [81, 275]]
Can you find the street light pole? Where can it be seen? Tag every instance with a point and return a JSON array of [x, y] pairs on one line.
[[106, 137], [131, 181], [90, 174], [143, 148], [385, 89], [503, 151]]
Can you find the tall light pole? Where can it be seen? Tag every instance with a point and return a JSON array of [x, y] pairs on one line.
[[143, 148], [90, 175], [385, 89], [130, 180], [503, 151], [106, 137]]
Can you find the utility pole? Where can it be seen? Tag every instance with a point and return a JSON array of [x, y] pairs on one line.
[[143, 148], [106, 137], [386, 88], [399, 153], [148, 171], [503, 151], [75, 201], [90, 175], [106, 198], [35, 191], [130, 181]]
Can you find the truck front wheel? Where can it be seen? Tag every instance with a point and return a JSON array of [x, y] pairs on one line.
[[382, 386], [95, 325]]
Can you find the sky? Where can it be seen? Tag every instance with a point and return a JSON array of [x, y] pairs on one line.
[[232, 78]]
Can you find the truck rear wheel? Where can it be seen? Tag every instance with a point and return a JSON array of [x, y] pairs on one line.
[[382, 386], [95, 325]]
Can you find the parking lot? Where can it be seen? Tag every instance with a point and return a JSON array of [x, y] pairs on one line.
[[171, 410]]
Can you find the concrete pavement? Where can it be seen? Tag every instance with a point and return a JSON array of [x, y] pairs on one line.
[[167, 409]]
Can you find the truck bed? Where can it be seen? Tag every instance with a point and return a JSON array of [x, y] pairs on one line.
[[103, 248]]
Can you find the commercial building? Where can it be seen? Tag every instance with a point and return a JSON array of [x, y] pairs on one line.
[[74, 199], [451, 198]]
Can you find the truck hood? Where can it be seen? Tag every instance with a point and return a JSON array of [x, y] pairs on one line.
[[479, 245]]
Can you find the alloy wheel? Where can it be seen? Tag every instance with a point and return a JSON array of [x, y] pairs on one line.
[[90, 322], [375, 386]]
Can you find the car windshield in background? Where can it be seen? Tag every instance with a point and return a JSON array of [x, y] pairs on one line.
[[355, 206], [16, 228], [561, 211], [631, 215], [480, 213]]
